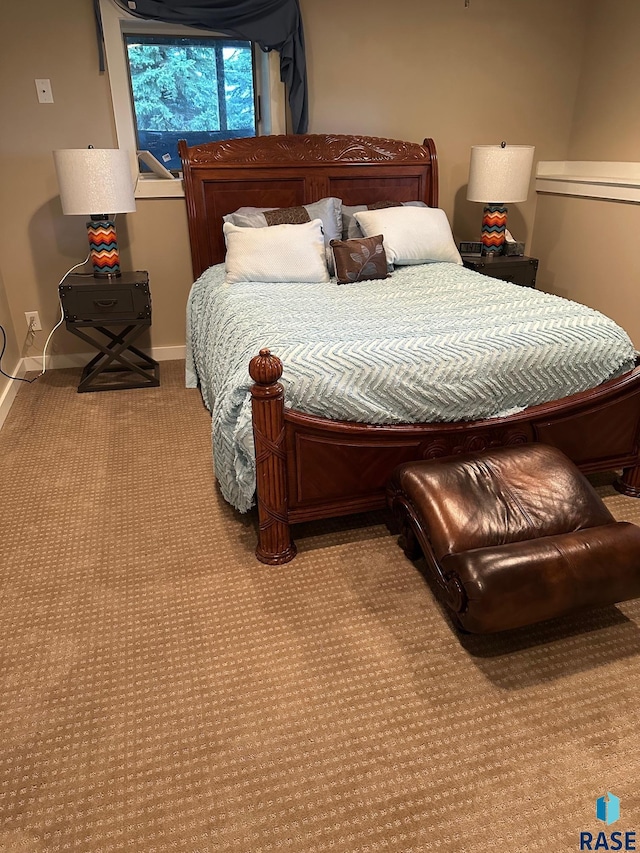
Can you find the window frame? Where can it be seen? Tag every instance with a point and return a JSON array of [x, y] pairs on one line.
[[116, 21]]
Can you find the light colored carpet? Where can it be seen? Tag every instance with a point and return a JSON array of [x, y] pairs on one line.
[[160, 690]]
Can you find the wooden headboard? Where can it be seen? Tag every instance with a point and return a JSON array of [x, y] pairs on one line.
[[287, 171]]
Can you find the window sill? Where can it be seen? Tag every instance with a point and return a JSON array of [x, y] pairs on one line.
[[152, 187], [591, 179]]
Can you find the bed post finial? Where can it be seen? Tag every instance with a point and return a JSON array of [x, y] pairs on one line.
[[275, 545], [265, 369]]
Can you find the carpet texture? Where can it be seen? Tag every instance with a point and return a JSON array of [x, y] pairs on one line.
[[161, 690]]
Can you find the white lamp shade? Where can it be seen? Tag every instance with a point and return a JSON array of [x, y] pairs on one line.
[[500, 175], [94, 181]]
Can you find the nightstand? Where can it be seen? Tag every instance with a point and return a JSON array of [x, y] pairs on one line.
[[110, 314], [517, 269]]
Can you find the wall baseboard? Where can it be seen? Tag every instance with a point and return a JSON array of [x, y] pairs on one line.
[[8, 395], [59, 362], [79, 359]]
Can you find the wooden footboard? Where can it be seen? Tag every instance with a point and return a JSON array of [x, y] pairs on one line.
[[309, 467]]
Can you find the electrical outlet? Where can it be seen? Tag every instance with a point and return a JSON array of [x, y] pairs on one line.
[[33, 321]]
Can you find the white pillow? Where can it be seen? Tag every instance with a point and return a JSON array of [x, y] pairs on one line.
[[278, 253], [327, 209], [351, 229], [412, 235]]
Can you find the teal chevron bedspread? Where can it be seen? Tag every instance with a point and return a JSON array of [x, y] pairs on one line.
[[435, 342]]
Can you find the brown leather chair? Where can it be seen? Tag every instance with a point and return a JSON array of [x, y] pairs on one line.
[[514, 536]]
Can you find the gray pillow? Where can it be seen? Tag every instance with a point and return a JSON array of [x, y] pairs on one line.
[[329, 210]]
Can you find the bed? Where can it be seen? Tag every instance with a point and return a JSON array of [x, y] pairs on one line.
[[308, 466]]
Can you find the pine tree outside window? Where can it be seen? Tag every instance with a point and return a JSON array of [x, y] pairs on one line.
[[198, 89]]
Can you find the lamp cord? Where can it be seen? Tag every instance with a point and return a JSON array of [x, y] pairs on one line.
[[8, 375], [46, 343]]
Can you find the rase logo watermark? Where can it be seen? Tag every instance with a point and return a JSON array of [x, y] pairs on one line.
[[608, 811]]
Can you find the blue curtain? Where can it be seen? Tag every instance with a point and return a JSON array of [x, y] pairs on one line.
[[272, 24]]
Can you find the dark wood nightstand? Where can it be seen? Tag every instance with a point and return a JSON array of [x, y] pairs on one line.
[[118, 309], [517, 269]]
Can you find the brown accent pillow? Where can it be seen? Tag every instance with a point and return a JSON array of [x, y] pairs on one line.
[[381, 205], [287, 216], [360, 259]]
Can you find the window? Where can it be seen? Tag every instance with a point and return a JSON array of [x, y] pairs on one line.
[[198, 89], [216, 100]]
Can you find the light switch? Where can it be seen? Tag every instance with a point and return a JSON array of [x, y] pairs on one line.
[[45, 94]]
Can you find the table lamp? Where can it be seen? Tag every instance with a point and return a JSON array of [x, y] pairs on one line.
[[498, 174], [93, 180]]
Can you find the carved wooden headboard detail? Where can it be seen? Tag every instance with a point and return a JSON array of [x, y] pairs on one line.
[[286, 171]]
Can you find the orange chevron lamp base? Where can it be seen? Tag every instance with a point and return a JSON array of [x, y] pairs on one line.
[[494, 223], [103, 243]]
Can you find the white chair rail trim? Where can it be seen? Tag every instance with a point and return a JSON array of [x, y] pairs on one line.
[[590, 178]]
